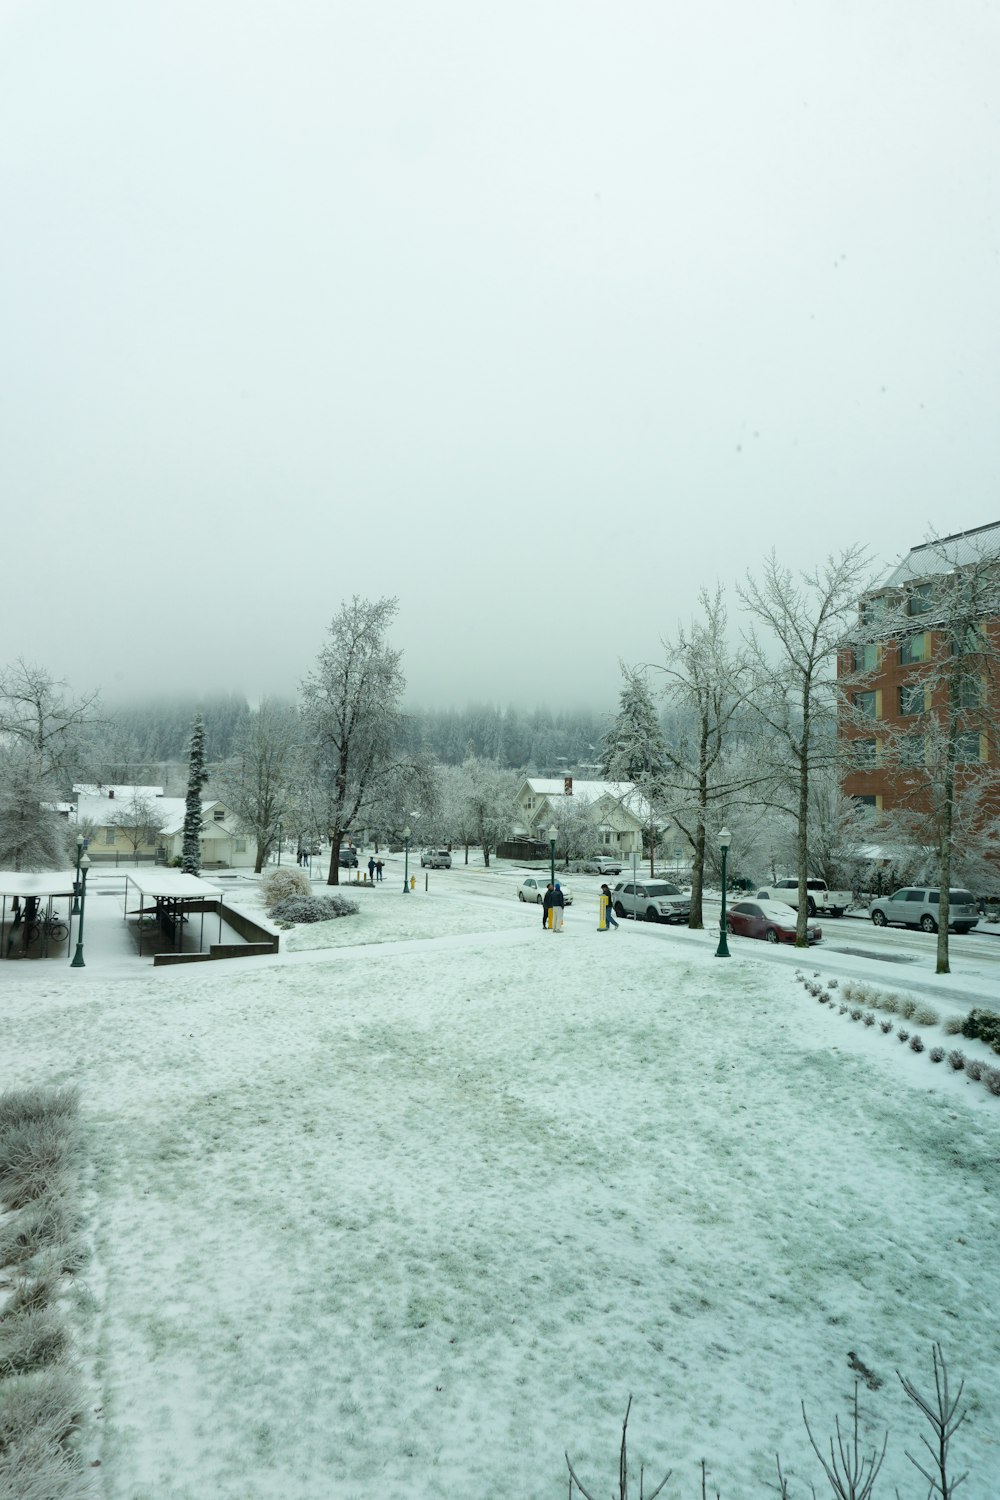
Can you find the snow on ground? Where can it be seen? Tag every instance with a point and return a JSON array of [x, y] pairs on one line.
[[410, 1214]]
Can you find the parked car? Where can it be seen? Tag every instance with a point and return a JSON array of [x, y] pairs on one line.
[[651, 901], [435, 859], [348, 857], [920, 906], [774, 921], [819, 897], [533, 889], [602, 864]]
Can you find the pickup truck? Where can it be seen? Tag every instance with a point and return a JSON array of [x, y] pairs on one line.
[[819, 897]]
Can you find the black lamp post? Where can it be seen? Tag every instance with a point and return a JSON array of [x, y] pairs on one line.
[[722, 951], [406, 860], [77, 960], [553, 832], [75, 910]]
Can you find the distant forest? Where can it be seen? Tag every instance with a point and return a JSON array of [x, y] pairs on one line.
[[158, 731]]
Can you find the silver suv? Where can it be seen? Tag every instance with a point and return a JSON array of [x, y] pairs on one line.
[[651, 901], [437, 859], [919, 906]]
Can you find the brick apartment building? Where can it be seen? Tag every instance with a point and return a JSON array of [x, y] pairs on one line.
[[920, 681]]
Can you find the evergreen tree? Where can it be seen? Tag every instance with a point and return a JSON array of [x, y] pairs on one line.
[[197, 776]]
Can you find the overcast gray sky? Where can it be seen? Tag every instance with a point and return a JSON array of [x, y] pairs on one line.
[[540, 315]]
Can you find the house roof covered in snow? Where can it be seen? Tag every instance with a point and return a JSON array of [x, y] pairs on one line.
[[116, 793], [625, 793]]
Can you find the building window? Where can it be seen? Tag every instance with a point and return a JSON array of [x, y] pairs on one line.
[[866, 704], [968, 749], [867, 658], [911, 751], [919, 599], [865, 801], [914, 648], [970, 691], [241, 846], [864, 753], [911, 699], [966, 642], [219, 814], [873, 609]]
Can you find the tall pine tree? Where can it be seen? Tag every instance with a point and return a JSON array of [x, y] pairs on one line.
[[197, 776]]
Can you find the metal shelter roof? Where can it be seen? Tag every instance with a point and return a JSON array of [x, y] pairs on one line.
[[171, 885], [46, 883]]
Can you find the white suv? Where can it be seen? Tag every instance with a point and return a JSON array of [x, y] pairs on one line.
[[437, 859], [651, 900], [920, 906]]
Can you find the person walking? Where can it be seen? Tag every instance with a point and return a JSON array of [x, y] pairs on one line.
[[378, 871], [558, 905], [371, 868], [609, 911], [547, 901]]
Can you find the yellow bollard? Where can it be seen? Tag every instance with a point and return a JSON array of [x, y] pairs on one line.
[[602, 923], [413, 882]]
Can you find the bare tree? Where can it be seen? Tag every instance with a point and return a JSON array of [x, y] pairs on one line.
[[489, 802], [260, 781], [794, 667], [32, 835], [139, 821], [35, 710], [351, 718], [708, 685]]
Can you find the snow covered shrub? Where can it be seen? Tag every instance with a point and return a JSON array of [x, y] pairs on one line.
[[953, 1025], [312, 909], [886, 1026], [936, 1054], [33, 1157], [869, 1019], [916, 1045], [30, 1340], [957, 1060], [991, 1078], [984, 1024], [902, 1035], [277, 885], [889, 1003], [831, 984], [925, 1016], [974, 1068], [19, 1106], [842, 1009], [39, 1413], [855, 1013], [906, 1007], [847, 990]]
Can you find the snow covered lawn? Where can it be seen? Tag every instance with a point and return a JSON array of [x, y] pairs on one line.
[[410, 1218]]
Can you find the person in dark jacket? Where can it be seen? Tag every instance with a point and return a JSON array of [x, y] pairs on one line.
[[547, 901], [609, 911]]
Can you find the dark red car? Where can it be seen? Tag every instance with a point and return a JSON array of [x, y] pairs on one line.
[[770, 920]]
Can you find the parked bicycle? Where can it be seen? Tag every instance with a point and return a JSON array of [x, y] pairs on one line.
[[49, 926]]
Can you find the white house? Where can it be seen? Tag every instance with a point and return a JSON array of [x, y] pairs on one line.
[[621, 815], [129, 822]]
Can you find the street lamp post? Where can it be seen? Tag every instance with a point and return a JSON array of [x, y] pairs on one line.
[[406, 860], [75, 911], [553, 833], [722, 951], [77, 960]]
